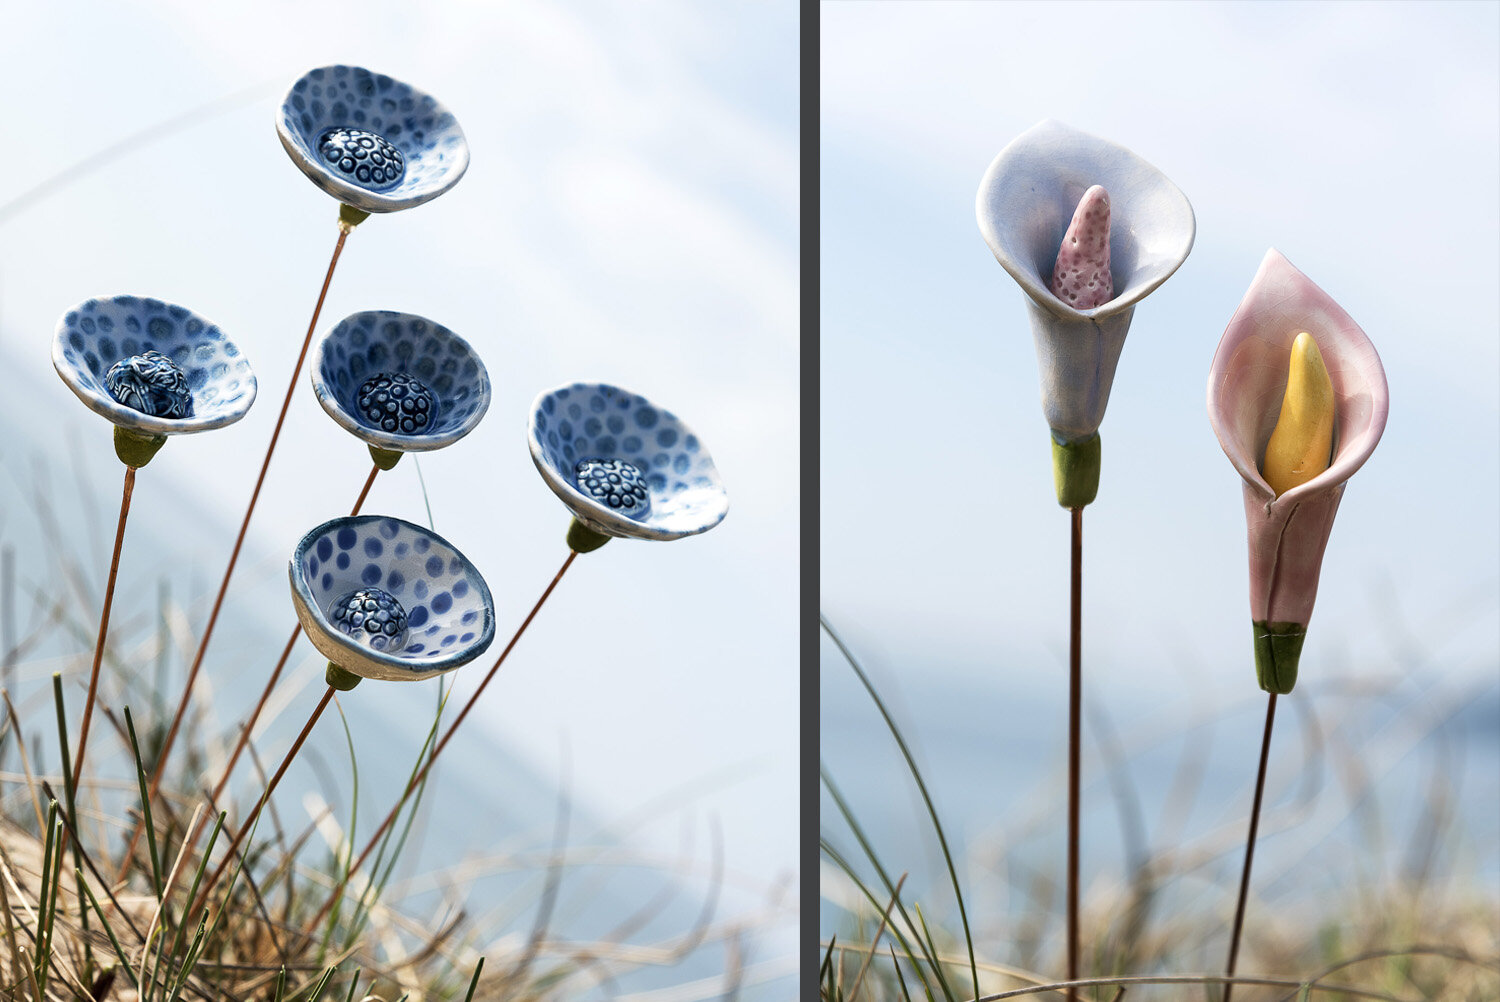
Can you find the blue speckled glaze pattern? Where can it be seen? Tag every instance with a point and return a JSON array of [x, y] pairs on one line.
[[598, 421], [350, 97], [450, 618], [97, 333], [381, 341]]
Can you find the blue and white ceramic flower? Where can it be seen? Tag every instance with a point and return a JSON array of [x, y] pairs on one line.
[[370, 141], [386, 599], [152, 368], [624, 466], [400, 382]]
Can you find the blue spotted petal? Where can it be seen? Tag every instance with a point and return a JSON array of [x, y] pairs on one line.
[[336, 112], [97, 333], [594, 421], [450, 618], [378, 342]]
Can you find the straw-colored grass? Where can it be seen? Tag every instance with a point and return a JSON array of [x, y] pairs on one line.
[[1158, 929]]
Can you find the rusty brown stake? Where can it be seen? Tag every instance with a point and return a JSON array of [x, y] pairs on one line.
[[421, 774], [249, 822], [1075, 708], [1260, 789], [265, 695], [109, 599], [234, 554]]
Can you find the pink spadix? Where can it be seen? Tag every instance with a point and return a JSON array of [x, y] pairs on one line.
[[1081, 276]]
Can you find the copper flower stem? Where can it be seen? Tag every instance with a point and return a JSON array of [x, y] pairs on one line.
[[1260, 789], [234, 554], [249, 725], [109, 600], [416, 780], [291, 642], [249, 822], [1075, 708]]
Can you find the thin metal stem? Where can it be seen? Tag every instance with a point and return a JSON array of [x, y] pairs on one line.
[[249, 822], [109, 600], [1260, 789], [286, 651], [1075, 713], [416, 779], [265, 694], [234, 554]]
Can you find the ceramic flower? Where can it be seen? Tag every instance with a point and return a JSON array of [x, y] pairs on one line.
[[622, 465], [152, 368], [1288, 533], [385, 599], [371, 142], [399, 382], [1025, 204]]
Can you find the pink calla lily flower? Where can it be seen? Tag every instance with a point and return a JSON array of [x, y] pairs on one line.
[[1288, 534]]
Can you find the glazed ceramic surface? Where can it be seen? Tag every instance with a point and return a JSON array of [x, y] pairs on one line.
[[1288, 534], [1025, 203], [449, 616], [375, 342], [97, 333], [370, 141], [595, 421]]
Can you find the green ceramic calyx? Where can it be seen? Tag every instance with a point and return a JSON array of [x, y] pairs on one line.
[[134, 449], [339, 678], [582, 539], [1075, 471], [1278, 648]]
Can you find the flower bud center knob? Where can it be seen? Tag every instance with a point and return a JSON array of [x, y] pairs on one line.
[[151, 383], [615, 483], [1301, 445], [1081, 276], [372, 161], [372, 616], [397, 402]]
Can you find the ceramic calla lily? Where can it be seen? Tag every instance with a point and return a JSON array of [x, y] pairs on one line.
[[1288, 533], [1025, 203]]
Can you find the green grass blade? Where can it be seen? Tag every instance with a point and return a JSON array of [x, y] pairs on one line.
[[885, 879], [108, 931], [70, 792], [838, 860], [140, 773], [474, 981], [916, 774]]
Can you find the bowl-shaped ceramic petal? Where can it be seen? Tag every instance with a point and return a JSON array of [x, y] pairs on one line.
[[381, 342], [449, 614], [1025, 202], [97, 333], [386, 123], [593, 421]]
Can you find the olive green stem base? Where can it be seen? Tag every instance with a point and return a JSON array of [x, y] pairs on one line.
[[384, 458], [1075, 471], [350, 217], [340, 679], [134, 449], [582, 539], [1278, 648]]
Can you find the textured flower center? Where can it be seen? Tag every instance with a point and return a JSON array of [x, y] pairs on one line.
[[363, 157], [617, 484], [151, 383], [372, 616], [396, 402]]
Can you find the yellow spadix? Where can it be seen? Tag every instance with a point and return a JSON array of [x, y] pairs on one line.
[[1301, 445]]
